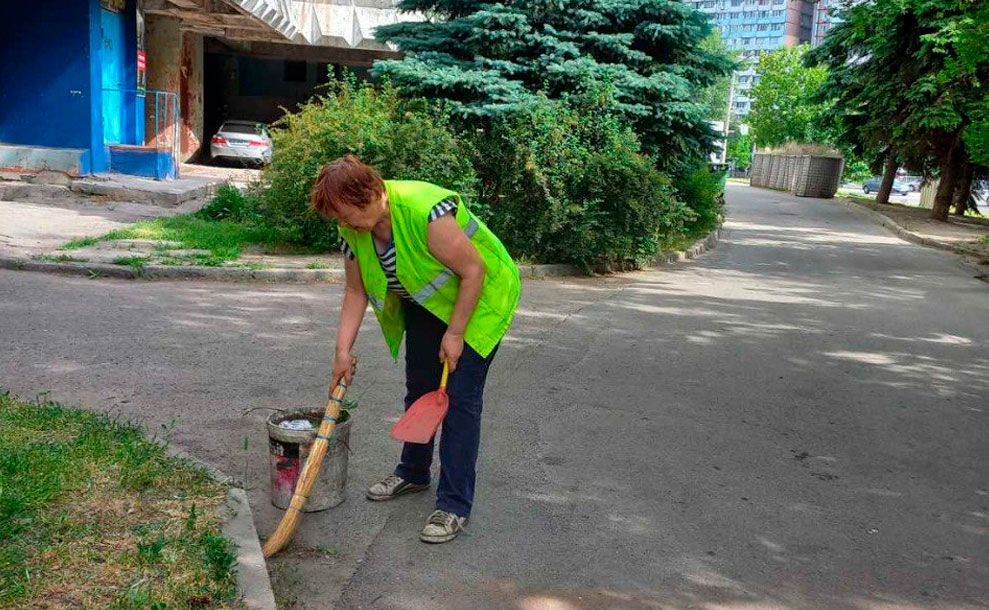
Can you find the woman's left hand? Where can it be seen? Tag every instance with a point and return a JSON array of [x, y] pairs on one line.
[[451, 347]]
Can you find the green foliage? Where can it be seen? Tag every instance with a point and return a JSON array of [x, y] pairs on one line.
[[137, 262], [784, 106], [909, 77], [714, 97], [856, 170], [970, 35], [740, 149], [703, 191], [570, 185], [229, 203], [489, 60], [403, 140]]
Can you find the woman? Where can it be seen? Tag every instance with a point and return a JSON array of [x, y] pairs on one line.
[[432, 271]]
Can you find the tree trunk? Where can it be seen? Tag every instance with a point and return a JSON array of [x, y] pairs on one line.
[[963, 190], [950, 168], [889, 174]]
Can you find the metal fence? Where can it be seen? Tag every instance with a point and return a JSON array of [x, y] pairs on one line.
[[141, 130], [802, 175]]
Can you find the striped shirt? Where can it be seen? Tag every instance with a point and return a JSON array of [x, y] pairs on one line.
[[387, 256]]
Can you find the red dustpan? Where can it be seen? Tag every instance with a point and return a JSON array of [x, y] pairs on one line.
[[423, 418]]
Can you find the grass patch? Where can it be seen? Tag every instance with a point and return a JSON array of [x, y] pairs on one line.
[[92, 515], [61, 258], [318, 265], [984, 239], [137, 262], [85, 242], [223, 238]]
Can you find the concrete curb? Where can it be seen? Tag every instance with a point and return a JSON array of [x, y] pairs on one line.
[[309, 276], [906, 234], [176, 272], [253, 582], [252, 572], [700, 247]]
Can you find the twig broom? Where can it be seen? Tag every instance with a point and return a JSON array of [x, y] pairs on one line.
[[290, 520]]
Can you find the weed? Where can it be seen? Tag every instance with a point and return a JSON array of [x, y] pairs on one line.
[[229, 204], [61, 258], [317, 265], [85, 242], [95, 274], [136, 262]]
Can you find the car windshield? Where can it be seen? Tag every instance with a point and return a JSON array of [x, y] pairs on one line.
[[252, 128]]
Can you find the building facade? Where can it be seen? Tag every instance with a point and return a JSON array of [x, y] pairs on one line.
[[67, 64], [826, 15], [756, 26], [138, 86]]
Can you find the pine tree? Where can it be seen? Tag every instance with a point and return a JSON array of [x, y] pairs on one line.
[[490, 59]]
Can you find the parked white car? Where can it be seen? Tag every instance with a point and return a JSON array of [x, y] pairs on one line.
[[244, 141]]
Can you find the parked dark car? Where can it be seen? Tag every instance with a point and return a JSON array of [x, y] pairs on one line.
[[872, 186]]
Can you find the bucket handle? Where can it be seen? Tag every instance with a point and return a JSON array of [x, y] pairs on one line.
[[247, 411]]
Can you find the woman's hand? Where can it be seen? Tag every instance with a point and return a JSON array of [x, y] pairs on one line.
[[344, 367], [451, 347]]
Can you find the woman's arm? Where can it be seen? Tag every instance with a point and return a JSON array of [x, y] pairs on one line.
[[351, 315], [453, 248]]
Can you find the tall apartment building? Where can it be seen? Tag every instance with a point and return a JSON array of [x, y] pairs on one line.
[[826, 15], [755, 26]]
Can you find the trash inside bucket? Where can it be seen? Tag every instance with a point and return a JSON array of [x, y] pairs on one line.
[[288, 448]]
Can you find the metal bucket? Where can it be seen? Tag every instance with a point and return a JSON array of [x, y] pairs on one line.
[[287, 453]]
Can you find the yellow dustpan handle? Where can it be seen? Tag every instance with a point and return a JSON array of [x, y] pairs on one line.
[[446, 373]]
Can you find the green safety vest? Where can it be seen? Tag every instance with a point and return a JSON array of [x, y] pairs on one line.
[[426, 279]]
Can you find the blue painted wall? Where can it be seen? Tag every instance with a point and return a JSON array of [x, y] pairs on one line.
[[51, 77]]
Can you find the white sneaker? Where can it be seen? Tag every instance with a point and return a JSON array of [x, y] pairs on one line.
[[442, 527], [391, 487]]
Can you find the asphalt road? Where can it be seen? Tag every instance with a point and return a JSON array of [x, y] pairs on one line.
[[797, 419]]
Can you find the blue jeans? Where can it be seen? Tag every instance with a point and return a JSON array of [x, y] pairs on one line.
[[461, 433]]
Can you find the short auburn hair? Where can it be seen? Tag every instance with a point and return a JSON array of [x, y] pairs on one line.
[[346, 181]]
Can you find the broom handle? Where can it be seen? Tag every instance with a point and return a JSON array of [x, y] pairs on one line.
[[307, 478], [319, 447]]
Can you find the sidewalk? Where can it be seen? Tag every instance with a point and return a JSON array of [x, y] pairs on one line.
[[34, 232], [967, 235], [31, 228]]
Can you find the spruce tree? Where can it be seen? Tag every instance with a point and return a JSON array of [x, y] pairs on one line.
[[490, 59]]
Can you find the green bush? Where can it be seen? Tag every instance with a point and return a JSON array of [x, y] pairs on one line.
[[568, 185], [703, 191], [561, 182], [403, 140], [856, 170]]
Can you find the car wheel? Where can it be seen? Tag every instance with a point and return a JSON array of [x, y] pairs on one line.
[[865, 189]]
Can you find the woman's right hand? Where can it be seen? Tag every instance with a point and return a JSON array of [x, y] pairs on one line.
[[344, 367]]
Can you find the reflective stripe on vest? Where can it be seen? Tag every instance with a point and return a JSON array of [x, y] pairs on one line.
[[441, 278]]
